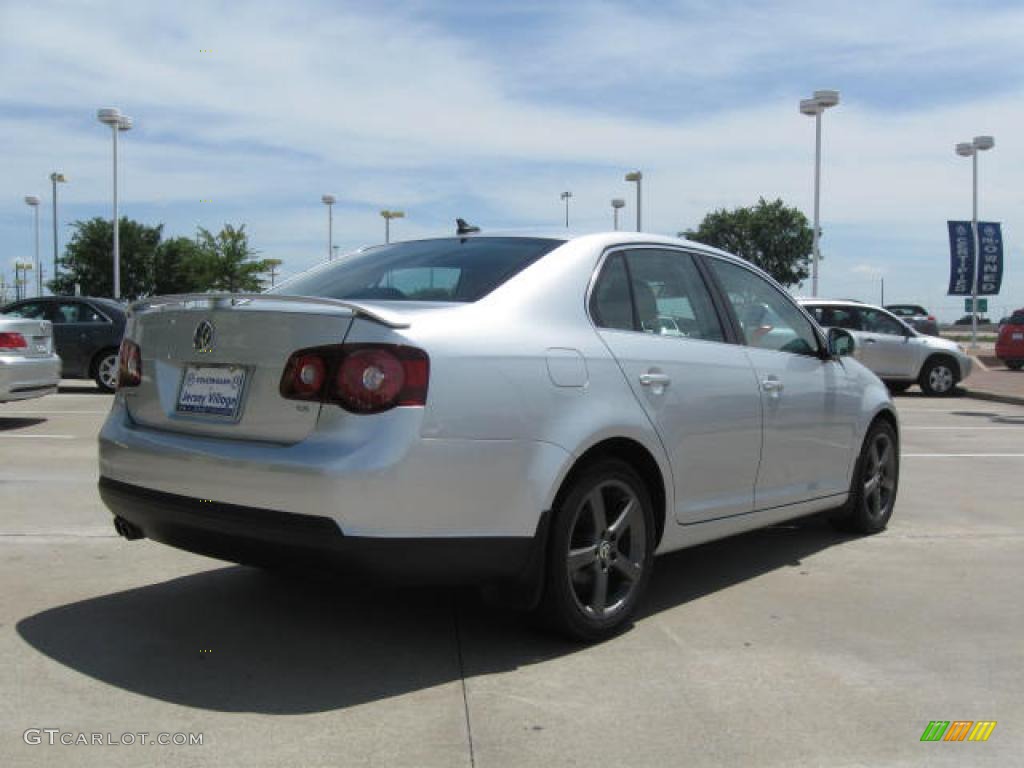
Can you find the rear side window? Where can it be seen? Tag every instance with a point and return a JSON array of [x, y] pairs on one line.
[[657, 292], [31, 311], [450, 270], [836, 317]]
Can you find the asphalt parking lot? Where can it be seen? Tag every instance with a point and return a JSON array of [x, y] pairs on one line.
[[789, 646]]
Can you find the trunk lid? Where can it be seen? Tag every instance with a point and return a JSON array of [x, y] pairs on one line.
[[215, 369], [38, 335]]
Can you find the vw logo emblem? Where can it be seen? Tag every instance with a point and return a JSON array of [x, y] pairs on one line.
[[202, 339]]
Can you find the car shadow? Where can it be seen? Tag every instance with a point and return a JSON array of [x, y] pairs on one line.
[[80, 389], [241, 639], [8, 423]]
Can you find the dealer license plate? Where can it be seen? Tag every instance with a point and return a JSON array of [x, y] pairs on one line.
[[211, 390]]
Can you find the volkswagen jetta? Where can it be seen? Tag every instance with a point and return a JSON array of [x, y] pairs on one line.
[[546, 413]]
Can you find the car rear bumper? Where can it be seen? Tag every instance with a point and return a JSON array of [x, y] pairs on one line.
[[274, 538], [22, 378]]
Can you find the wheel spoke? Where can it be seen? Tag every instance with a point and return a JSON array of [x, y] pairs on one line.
[[581, 558], [871, 485], [599, 596], [884, 457], [625, 519]]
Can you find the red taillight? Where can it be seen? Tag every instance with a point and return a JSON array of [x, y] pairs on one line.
[[362, 378], [304, 377], [932, 318], [12, 341], [129, 364]]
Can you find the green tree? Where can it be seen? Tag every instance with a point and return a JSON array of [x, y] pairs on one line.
[[228, 263], [180, 266], [774, 236], [88, 258]]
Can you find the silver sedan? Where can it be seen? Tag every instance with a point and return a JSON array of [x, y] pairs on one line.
[[545, 413], [28, 365]]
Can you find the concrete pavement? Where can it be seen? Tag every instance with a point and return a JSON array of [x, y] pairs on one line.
[[790, 646]]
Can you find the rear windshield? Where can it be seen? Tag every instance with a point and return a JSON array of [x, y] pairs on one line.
[[907, 310], [451, 269], [1017, 318]]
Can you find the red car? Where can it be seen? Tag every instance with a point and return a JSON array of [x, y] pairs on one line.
[[1010, 344]]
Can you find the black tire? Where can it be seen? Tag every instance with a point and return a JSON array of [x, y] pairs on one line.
[[595, 578], [939, 376], [104, 370], [898, 387], [1015, 365], [874, 486]]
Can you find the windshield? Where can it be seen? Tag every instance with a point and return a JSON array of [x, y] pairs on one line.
[[449, 269]]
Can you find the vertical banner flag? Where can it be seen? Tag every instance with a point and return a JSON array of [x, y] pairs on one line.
[[961, 258], [990, 266]]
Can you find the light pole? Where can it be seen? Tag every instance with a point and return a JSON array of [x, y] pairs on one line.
[[638, 177], [33, 202], [21, 270], [112, 116], [55, 178], [272, 265], [971, 149], [814, 106], [329, 201], [388, 216], [617, 203], [566, 196]]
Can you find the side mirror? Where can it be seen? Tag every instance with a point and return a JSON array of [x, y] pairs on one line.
[[840, 342]]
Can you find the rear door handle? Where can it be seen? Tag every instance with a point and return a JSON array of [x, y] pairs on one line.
[[655, 379], [870, 340], [772, 385]]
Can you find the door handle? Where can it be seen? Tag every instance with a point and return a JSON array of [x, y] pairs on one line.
[[870, 340], [655, 379], [772, 385]]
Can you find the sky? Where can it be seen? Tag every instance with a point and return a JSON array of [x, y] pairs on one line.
[[247, 112]]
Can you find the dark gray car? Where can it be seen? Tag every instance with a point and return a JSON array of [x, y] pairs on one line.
[[87, 333], [916, 316]]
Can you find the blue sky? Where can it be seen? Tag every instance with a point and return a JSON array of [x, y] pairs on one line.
[[489, 110]]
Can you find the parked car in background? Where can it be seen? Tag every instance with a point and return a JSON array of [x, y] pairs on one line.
[[892, 349], [87, 332], [1010, 343], [966, 320], [916, 317], [543, 412], [28, 365]]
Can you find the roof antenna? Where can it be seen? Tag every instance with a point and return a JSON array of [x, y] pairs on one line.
[[463, 228]]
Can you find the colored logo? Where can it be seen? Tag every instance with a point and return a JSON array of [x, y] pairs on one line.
[[958, 730]]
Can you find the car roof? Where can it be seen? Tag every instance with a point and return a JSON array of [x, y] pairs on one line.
[[837, 303]]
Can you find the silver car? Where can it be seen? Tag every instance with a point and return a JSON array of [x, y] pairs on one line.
[[900, 355], [28, 365], [542, 413]]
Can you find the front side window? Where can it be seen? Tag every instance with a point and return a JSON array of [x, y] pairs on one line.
[[768, 318], [448, 269], [876, 321], [656, 292]]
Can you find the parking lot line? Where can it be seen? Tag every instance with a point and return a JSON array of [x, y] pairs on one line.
[[41, 437], [962, 455]]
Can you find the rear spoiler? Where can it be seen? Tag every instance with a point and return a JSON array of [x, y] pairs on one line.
[[390, 319]]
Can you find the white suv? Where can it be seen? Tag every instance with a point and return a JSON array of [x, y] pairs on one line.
[[892, 349]]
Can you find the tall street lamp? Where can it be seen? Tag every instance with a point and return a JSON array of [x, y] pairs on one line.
[[814, 106], [55, 178], [112, 116], [388, 216], [638, 177], [617, 203], [566, 196], [33, 202], [971, 149], [329, 201], [21, 270]]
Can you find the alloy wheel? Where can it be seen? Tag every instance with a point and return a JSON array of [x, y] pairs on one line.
[[879, 475], [607, 549], [940, 377], [107, 371]]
